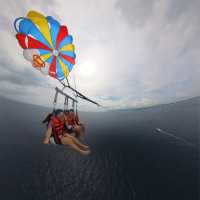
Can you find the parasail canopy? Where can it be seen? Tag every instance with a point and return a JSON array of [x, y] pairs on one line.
[[46, 44]]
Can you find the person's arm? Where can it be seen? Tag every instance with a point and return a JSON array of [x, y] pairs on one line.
[[77, 120], [47, 135]]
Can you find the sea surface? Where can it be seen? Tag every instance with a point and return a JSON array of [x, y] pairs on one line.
[[143, 154]]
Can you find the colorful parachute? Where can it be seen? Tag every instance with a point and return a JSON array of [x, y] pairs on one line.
[[46, 44]]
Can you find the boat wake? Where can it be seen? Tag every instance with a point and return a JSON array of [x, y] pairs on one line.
[[182, 140]]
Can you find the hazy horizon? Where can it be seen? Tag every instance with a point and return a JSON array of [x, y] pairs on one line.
[[100, 108]]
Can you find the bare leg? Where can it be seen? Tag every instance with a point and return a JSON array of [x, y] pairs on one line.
[[47, 136], [78, 143], [66, 140], [78, 130]]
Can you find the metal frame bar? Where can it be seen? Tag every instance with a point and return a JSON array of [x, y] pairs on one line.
[[78, 93], [66, 104], [55, 97], [66, 95]]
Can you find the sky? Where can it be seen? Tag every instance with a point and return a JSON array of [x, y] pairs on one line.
[[130, 53]]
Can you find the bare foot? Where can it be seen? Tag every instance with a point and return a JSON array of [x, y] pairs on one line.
[[86, 152], [86, 147]]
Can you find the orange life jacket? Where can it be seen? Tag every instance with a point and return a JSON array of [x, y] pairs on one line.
[[58, 128]]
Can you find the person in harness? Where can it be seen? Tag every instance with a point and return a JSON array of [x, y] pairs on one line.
[[56, 129], [73, 123]]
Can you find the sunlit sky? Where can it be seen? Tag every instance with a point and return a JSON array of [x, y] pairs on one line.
[[130, 53]]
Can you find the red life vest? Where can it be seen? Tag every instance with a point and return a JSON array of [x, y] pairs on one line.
[[58, 128], [70, 119]]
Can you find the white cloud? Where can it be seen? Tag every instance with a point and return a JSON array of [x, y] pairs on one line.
[[129, 53]]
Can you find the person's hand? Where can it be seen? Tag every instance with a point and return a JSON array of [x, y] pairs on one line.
[[65, 134], [46, 141]]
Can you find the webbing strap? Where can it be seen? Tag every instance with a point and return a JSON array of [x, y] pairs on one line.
[[66, 103], [55, 99], [73, 104]]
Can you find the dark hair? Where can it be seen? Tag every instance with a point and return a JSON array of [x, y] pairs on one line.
[[71, 110], [57, 111], [47, 119]]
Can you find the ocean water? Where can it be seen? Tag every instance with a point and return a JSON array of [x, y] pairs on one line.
[[130, 159]]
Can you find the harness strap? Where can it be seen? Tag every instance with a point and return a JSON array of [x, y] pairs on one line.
[[55, 99], [66, 103]]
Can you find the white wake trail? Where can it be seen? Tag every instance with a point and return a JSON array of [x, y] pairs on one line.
[[175, 137]]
